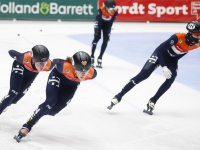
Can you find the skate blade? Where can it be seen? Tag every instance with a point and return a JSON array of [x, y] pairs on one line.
[[109, 107], [148, 112], [17, 139]]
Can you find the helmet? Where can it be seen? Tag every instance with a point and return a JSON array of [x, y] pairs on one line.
[[193, 26], [110, 3], [81, 61], [40, 53]]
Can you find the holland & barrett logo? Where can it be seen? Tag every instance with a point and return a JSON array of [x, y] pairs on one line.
[[44, 9]]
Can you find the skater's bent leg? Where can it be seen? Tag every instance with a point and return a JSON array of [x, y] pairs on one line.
[[146, 71], [52, 92], [63, 100], [42, 109]]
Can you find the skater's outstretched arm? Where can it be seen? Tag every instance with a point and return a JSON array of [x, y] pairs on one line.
[[17, 55]]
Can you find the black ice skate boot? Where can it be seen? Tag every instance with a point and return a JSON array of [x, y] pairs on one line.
[[114, 102], [150, 108], [99, 63], [26, 128]]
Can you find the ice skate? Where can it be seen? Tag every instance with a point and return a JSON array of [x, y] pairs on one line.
[[150, 108], [99, 63], [23, 132], [114, 102]]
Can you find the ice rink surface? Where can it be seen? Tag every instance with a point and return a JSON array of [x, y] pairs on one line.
[[86, 123]]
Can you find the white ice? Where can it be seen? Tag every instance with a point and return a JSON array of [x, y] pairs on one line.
[[86, 123]]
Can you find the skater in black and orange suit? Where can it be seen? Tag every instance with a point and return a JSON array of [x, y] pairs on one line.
[[25, 69], [62, 84], [103, 21], [166, 55]]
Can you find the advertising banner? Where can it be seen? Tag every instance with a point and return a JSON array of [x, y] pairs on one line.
[[48, 9], [157, 10]]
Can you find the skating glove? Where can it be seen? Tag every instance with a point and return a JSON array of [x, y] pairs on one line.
[[167, 73]]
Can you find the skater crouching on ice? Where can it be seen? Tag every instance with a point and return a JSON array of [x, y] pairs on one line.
[[25, 69], [167, 55], [105, 17], [62, 84]]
